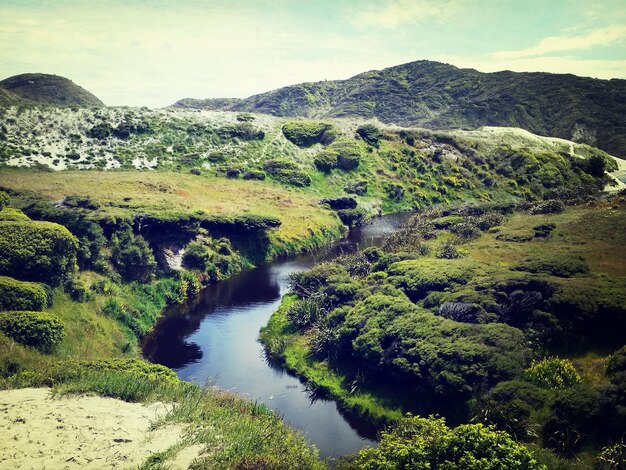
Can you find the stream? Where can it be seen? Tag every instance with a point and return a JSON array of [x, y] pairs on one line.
[[214, 340]]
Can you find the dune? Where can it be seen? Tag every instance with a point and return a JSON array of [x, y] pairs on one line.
[[43, 432]]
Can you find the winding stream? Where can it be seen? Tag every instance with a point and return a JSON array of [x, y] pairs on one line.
[[214, 340]]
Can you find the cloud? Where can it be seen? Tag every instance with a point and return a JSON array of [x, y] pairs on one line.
[[599, 37], [394, 13]]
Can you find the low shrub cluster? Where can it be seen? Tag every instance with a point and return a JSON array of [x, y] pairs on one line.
[[287, 172], [40, 330], [37, 251], [306, 134], [552, 372], [427, 443], [19, 295]]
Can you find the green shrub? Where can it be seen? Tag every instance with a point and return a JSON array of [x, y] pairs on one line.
[[9, 213], [40, 330], [77, 290], [325, 161], [348, 154], [561, 267], [242, 130], [254, 175], [132, 366], [356, 187], [18, 295], [287, 172], [306, 134], [197, 256], [4, 200], [552, 372], [427, 443], [304, 314], [132, 256], [370, 134], [37, 251]]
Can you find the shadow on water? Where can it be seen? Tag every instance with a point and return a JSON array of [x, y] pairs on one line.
[[214, 338]]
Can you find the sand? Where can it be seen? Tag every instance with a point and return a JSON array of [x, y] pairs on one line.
[[41, 432]]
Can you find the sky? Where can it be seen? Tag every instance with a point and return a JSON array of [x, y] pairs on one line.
[[154, 52]]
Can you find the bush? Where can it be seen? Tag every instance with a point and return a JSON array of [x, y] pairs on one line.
[[370, 134], [77, 290], [4, 200], [254, 175], [39, 330], [37, 251], [243, 131], [427, 443], [304, 314], [394, 191], [547, 207], [287, 172], [306, 134], [552, 372], [197, 256], [561, 267], [356, 187], [352, 217], [18, 295], [132, 256], [325, 161], [133, 366], [9, 213]]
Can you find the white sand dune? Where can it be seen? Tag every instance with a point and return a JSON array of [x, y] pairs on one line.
[[41, 432]]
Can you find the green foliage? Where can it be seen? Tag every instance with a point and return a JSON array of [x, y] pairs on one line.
[[420, 277], [134, 366], [132, 256], [4, 200], [18, 295], [306, 134], [356, 187], [427, 443], [561, 267], [304, 314], [9, 213], [483, 354], [370, 134], [42, 331], [242, 130], [287, 172], [37, 251], [552, 372], [325, 161], [197, 256]]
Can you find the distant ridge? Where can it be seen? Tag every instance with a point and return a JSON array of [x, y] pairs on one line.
[[41, 88], [436, 95]]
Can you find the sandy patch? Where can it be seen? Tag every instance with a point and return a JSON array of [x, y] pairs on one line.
[[41, 432]]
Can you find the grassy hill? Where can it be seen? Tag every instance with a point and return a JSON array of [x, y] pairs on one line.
[[441, 96], [44, 89]]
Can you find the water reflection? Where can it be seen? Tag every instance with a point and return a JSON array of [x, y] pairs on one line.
[[215, 339]]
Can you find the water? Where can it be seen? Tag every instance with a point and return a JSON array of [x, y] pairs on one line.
[[215, 340]]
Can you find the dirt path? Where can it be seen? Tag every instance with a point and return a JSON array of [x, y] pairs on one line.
[[41, 432]]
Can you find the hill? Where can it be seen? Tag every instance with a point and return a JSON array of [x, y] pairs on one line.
[[41, 88], [436, 95]]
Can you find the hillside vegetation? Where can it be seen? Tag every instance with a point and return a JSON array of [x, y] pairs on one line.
[[441, 96], [44, 89], [108, 215], [506, 317]]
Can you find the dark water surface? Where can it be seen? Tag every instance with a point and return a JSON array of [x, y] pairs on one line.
[[215, 340]]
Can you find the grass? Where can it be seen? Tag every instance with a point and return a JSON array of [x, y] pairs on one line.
[[295, 354], [305, 223]]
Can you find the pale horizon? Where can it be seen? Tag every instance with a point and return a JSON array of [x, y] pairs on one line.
[[153, 53]]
